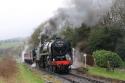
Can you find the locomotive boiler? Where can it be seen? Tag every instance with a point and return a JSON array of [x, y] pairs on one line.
[[55, 55]]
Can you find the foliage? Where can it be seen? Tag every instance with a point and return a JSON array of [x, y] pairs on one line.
[[105, 38], [107, 58], [111, 38], [90, 39], [69, 34], [78, 36], [98, 37], [120, 49]]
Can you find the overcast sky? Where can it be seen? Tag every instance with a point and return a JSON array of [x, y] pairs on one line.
[[18, 18]]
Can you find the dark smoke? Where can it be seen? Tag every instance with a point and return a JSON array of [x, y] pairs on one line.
[[88, 12]]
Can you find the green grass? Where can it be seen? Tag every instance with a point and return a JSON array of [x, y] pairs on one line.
[[27, 76], [97, 71]]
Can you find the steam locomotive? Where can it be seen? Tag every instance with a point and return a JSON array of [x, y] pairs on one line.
[[54, 55]]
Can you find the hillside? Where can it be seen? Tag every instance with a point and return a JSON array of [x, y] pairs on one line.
[[10, 43], [11, 47]]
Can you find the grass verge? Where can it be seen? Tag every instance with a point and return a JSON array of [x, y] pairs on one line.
[[27, 76], [116, 74]]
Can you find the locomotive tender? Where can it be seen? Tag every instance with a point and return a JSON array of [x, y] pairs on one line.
[[54, 55]]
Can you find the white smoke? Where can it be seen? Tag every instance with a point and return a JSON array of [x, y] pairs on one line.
[[77, 63], [23, 52], [77, 12]]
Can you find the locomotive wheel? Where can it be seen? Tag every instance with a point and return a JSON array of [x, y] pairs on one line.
[[39, 64], [42, 62], [52, 68], [67, 70], [48, 68]]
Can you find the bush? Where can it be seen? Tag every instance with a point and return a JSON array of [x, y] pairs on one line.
[[107, 58]]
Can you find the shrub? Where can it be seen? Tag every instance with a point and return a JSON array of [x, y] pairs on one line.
[[105, 58]]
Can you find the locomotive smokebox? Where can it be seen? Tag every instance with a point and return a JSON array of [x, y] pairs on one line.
[[59, 46]]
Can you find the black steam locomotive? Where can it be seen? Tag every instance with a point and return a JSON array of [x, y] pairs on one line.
[[55, 55]]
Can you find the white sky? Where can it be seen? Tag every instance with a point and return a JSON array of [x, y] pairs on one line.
[[18, 18]]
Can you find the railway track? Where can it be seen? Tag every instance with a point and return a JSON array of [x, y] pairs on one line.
[[85, 78], [74, 79], [69, 78]]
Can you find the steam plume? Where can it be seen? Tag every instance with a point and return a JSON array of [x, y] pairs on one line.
[[87, 12]]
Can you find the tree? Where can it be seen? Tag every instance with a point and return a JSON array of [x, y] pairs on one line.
[[116, 15], [120, 49], [78, 37], [105, 38]]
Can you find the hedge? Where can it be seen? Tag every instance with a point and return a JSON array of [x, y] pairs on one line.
[[105, 59]]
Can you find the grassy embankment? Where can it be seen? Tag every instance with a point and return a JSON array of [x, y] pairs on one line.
[[27, 76], [116, 74]]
